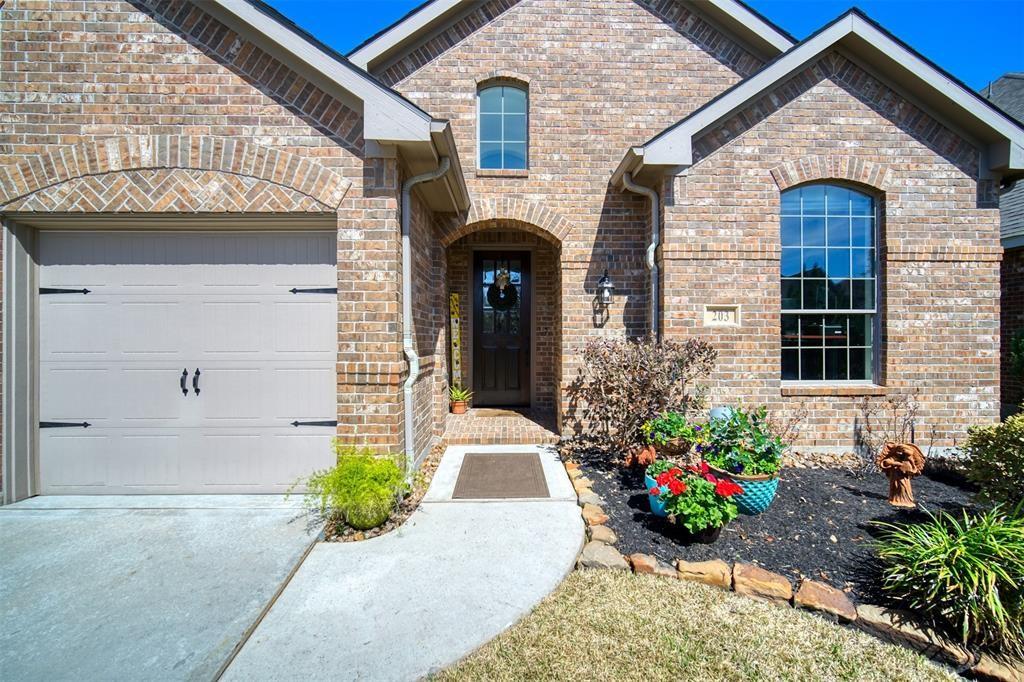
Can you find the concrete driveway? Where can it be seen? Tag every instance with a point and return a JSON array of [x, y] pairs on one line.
[[139, 588]]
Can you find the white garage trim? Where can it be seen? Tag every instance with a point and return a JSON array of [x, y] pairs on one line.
[[20, 416]]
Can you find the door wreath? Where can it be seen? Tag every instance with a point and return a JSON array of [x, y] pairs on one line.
[[501, 295]]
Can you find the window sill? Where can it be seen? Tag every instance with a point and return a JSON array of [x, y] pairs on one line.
[[502, 173], [837, 390]]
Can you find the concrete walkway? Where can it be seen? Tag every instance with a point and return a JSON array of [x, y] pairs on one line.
[[409, 603], [138, 588]]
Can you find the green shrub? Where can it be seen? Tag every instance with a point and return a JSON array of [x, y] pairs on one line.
[[361, 490], [668, 427], [996, 461], [964, 576], [744, 443]]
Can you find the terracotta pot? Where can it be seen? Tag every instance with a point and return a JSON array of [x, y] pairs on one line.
[[459, 406], [643, 457]]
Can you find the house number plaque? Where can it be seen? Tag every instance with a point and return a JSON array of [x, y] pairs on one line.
[[721, 316]]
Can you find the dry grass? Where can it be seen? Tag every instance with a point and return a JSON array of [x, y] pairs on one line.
[[605, 625]]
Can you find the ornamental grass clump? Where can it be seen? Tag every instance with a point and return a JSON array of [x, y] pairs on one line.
[[361, 491], [695, 498], [964, 576]]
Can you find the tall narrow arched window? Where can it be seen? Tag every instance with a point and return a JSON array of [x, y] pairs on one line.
[[502, 127], [829, 284]]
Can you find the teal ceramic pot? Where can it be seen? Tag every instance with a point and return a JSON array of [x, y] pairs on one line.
[[758, 491], [657, 506]]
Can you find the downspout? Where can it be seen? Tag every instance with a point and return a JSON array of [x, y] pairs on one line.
[[652, 246], [407, 339]]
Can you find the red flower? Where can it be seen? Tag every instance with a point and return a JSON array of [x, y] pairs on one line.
[[710, 478], [675, 472], [676, 487], [654, 491], [727, 488], [704, 468], [663, 478]]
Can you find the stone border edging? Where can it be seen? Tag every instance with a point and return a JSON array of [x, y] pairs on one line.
[[757, 583]]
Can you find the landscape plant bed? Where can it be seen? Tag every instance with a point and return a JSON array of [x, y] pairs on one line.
[[420, 482], [818, 527]]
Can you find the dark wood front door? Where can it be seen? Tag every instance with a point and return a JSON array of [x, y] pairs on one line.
[[501, 328]]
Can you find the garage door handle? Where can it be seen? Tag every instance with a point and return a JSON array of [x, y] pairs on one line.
[[184, 378], [195, 381]]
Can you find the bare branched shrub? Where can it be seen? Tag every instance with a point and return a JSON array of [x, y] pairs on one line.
[[893, 419], [625, 382]]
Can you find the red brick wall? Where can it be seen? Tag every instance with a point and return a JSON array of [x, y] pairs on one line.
[[104, 78], [606, 75], [940, 255]]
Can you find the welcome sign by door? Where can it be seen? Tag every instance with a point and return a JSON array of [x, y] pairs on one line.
[[456, 323]]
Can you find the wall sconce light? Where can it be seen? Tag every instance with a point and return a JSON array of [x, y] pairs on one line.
[[605, 289]]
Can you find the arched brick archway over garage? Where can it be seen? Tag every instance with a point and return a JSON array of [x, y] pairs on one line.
[[170, 173]]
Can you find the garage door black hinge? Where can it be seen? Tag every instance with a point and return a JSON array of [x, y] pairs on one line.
[[64, 425], [327, 290], [321, 423], [50, 290]]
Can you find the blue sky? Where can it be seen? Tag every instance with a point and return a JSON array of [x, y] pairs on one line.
[[975, 40]]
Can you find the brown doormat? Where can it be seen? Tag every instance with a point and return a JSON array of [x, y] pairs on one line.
[[500, 475]]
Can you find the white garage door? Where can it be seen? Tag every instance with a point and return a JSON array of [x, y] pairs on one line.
[[194, 364]]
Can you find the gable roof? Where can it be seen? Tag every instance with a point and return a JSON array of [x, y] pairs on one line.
[[761, 35], [940, 93], [388, 117], [1007, 92]]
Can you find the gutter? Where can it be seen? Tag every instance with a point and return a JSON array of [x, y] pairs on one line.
[[652, 247], [408, 347]]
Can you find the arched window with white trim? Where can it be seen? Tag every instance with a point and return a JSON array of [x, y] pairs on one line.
[[503, 127], [829, 274]]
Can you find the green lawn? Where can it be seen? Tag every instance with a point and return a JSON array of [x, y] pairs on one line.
[[605, 625]]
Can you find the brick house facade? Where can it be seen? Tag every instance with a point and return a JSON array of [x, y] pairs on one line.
[[165, 117]]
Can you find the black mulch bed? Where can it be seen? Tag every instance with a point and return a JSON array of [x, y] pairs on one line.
[[818, 526]]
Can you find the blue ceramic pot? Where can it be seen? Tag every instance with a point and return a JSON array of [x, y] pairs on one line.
[[758, 491], [657, 506]]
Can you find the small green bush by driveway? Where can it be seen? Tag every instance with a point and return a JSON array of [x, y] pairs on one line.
[[963, 575], [361, 490], [605, 625], [996, 460]]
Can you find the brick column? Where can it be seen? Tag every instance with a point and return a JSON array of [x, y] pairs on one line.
[[371, 366]]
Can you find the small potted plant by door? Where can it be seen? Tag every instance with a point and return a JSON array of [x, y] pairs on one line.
[[460, 398], [742, 448], [698, 503]]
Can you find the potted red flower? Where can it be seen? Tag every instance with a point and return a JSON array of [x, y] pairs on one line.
[[697, 501]]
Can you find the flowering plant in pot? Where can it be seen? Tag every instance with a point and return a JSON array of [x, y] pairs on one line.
[[657, 471], [697, 501], [671, 435], [460, 398], [743, 447]]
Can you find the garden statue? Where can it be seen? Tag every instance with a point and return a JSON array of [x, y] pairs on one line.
[[900, 462]]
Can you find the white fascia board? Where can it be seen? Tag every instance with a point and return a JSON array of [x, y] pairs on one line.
[[754, 23], [936, 79], [386, 115], [402, 31], [674, 146]]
